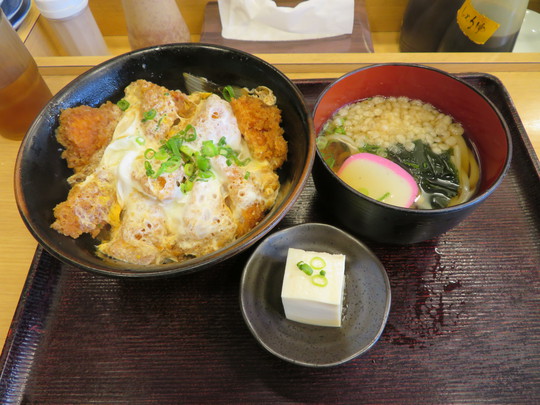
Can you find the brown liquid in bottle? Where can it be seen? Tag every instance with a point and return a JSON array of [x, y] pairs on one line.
[[456, 41], [425, 22], [21, 101], [485, 26]]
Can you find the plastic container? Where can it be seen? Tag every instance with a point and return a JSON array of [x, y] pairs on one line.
[[425, 22], [485, 26], [74, 26], [23, 92], [154, 22]]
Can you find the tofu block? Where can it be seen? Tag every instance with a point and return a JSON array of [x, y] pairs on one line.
[[305, 301]]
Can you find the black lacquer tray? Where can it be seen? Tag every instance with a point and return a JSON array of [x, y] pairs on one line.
[[464, 326]]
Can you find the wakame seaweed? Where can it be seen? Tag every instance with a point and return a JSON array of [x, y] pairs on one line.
[[435, 173]]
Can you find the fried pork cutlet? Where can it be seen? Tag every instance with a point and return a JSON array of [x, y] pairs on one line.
[[84, 131], [87, 208], [248, 197], [158, 107], [259, 124]]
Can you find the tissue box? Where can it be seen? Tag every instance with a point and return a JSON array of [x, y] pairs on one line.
[[359, 41]]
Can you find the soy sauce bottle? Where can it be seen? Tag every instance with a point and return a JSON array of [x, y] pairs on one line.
[[485, 26], [425, 22]]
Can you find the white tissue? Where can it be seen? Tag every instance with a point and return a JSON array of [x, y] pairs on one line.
[[263, 20]]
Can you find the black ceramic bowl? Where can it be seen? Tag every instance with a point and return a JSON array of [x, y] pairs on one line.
[[40, 173], [481, 120]]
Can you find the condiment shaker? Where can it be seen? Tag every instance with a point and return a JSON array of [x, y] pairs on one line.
[[154, 22], [23, 92], [74, 25], [485, 26]]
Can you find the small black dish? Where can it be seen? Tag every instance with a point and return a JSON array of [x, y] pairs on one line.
[[365, 308]]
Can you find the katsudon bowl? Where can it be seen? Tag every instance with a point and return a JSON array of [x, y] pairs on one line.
[[41, 173]]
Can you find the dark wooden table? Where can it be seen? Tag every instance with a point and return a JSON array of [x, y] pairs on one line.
[[464, 326]]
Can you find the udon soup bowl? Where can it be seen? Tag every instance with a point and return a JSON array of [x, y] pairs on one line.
[[41, 173], [483, 125]]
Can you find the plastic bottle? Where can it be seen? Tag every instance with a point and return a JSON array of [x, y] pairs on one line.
[[425, 22], [154, 22], [23, 92], [485, 26], [74, 25]]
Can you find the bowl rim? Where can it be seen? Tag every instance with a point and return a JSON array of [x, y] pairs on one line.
[[434, 211], [192, 265]]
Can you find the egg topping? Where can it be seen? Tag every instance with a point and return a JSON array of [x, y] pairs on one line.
[[176, 178]]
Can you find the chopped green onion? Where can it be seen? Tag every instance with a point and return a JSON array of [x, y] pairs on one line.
[[189, 169], [187, 186], [123, 104], [246, 175], [140, 140], [205, 175], [190, 133], [231, 155], [159, 172], [319, 281], [374, 149], [322, 142], [203, 163], [187, 150], [174, 144], [385, 196], [322, 273], [161, 154], [149, 153], [197, 166], [209, 149], [363, 190], [222, 141], [149, 115], [330, 162], [317, 263], [305, 268], [148, 167], [243, 162], [171, 165], [228, 93], [412, 164]]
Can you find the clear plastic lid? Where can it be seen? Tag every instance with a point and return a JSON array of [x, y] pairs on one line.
[[59, 9]]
